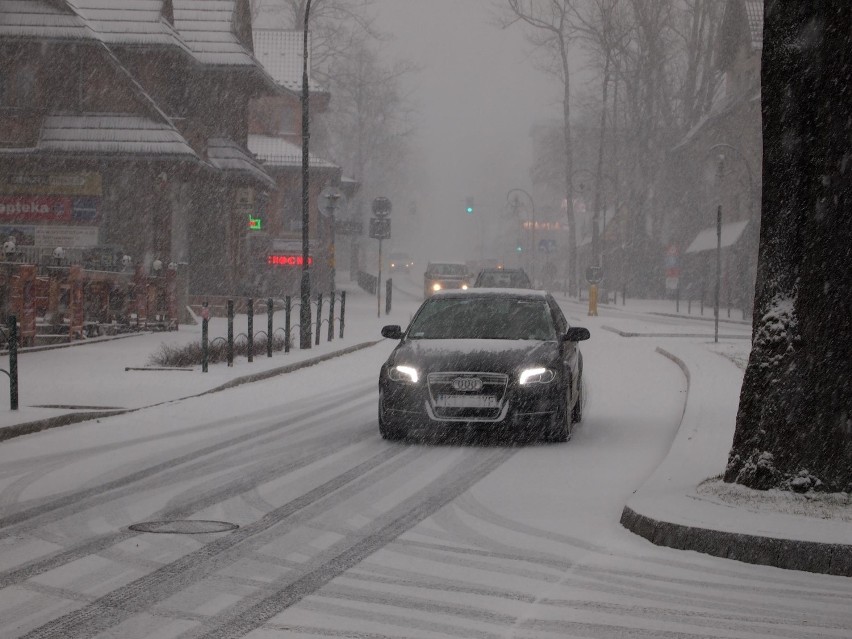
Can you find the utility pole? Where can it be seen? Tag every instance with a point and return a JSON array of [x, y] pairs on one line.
[[305, 286]]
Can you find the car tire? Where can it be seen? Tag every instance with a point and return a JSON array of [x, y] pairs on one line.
[[389, 429], [577, 410]]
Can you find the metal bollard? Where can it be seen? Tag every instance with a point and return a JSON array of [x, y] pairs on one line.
[[205, 344], [250, 311], [331, 317], [287, 309], [13, 362], [342, 311], [388, 291], [319, 317], [269, 311], [230, 332]]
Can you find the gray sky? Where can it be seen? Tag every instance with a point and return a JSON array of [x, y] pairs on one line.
[[477, 95]]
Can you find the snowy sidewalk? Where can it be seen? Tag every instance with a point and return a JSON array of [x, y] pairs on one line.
[[670, 510], [91, 379]]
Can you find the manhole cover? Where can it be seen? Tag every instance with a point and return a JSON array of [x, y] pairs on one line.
[[184, 526]]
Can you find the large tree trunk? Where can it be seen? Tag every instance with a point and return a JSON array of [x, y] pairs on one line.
[[794, 426]]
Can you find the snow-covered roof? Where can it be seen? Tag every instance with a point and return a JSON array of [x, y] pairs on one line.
[[280, 53], [206, 26], [707, 240], [278, 152], [111, 133], [227, 155], [41, 19], [719, 110], [128, 22]]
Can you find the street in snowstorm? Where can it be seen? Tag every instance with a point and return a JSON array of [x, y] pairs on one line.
[[276, 509]]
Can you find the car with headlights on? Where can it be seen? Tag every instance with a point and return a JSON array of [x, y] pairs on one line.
[[502, 278], [505, 360], [400, 262], [441, 276]]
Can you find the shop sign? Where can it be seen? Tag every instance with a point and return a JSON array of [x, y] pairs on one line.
[[287, 260], [71, 184], [35, 208], [81, 236]]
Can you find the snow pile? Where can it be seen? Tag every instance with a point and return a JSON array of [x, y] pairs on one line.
[[835, 506]]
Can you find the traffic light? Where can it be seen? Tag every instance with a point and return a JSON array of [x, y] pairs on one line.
[[469, 205]]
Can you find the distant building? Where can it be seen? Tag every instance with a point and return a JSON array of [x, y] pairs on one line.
[[718, 164], [125, 125]]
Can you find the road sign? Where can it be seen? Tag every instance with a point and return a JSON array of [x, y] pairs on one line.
[[331, 200], [594, 274], [380, 228], [382, 207]]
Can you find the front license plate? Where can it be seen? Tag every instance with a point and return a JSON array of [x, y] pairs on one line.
[[466, 401]]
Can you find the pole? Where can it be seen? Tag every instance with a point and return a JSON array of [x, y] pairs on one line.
[[13, 362], [305, 284], [288, 306], [379, 283], [342, 311], [319, 316], [250, 329], [718, 272], [230, 332], [269, 312], [205, 344], [331, 316]]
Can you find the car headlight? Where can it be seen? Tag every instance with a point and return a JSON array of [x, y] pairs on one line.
[[536, 376], [436, 286], [403, 374], [464, 287]]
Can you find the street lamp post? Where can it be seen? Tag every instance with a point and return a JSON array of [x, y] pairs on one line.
[[305, 287], [719, 151], [532, 228]]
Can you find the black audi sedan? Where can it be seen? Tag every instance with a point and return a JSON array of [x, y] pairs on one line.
[[501, 359]]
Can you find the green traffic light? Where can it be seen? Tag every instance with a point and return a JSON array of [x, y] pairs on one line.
[[470, 209]]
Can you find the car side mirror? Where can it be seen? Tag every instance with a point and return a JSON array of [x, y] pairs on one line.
[[577, 334], [393, 331]]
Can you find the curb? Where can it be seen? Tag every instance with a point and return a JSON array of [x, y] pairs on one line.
[[790, 554], [809, 556], [27, 428]]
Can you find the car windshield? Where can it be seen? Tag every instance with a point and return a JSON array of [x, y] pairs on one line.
[[503, 279], [448, 269], [483, 317]]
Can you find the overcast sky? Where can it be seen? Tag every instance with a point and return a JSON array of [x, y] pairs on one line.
[[477, 95]]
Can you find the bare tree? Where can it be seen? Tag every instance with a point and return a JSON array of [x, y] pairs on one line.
[[794, 425], [602, 29], [552, 32]]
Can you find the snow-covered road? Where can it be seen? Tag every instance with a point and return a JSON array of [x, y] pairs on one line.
[[342, 534]]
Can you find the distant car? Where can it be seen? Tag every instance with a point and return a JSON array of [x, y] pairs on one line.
[[440, 276], [502, 278], [400, 261], [506, 360]]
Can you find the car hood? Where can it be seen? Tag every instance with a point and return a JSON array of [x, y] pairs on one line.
[[483, 355]]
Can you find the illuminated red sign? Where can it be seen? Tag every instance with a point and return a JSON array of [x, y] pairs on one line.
[[287, 260]]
